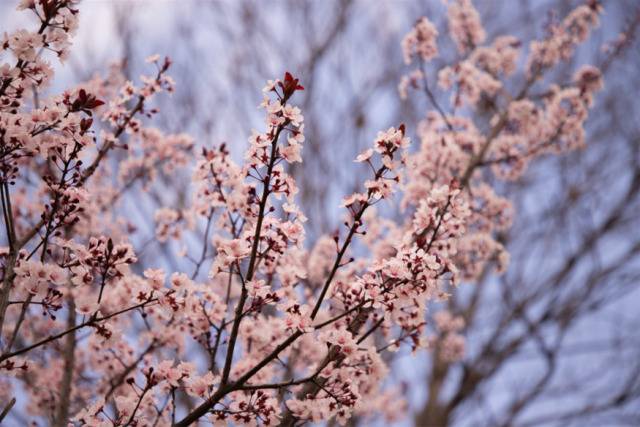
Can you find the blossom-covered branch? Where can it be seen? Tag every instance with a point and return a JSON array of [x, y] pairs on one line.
[[281, 329]]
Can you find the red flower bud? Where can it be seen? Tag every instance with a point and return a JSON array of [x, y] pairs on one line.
[[290, 85]]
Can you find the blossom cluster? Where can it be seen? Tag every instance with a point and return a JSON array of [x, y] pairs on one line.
[[266, 328]]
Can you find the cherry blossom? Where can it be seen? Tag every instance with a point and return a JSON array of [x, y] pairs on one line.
[[271, 324]]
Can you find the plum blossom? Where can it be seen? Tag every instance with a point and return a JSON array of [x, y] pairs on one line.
[[420, 41], [283, 328], [230, 251], [464, 25]]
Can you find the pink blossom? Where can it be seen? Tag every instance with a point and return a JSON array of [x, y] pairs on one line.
[[365, 155], [421, 41], [282, 327], [156, 278], [464, 25]]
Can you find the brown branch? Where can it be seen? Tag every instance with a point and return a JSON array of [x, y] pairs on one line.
[[61, 417], [7, 408], [90, 322], [253, 257]]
